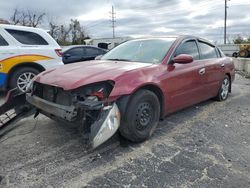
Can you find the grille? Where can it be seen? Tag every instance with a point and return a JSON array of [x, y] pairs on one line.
[[53, 94]]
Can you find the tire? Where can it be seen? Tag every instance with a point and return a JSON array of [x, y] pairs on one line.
[[141, 116], [235, 54], [224, 89], [21, 77], [243, 53]]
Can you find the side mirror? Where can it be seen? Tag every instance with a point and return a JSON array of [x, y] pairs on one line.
[[66, 55], [98, 57], [183, 59]]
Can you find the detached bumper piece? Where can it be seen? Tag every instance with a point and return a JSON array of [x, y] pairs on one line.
[[104, 127]]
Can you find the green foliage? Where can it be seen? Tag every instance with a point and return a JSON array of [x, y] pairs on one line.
[[240, 40]]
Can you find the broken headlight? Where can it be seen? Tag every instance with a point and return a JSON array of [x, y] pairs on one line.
[[96, 91]]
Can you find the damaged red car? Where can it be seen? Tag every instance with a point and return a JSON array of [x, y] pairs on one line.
[[133, 86]]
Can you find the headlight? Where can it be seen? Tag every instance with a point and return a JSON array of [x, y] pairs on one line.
[[99, 90]]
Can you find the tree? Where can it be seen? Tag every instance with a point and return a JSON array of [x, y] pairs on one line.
[[53, 29], [64, 35], [240, 40], [72, 33], [77, 32], [27, 18]]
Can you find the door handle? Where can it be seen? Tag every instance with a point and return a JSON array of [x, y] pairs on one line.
[[202, 71], [222, 65]]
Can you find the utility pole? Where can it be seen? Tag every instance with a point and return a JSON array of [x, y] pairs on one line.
[[225, 22], [113, 20]]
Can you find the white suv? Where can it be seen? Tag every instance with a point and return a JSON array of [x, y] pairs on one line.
[[25, 52]]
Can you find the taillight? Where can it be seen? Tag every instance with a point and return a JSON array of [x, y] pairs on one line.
[[59, 52]]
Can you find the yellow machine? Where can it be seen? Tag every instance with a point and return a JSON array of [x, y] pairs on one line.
[[244, 50]]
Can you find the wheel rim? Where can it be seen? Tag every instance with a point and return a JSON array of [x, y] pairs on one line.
[[144, 115], [225, 88], [23, 80]]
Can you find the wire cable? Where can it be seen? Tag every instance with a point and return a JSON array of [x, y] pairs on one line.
[[21, 134]]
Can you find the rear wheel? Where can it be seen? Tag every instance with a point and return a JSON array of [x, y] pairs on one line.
[[21, 77], [141, 116], [224, 89]]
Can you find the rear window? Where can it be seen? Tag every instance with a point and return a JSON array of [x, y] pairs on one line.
[[27, 37], [3, 42], [190, 48], [93, 51], [207, 51]]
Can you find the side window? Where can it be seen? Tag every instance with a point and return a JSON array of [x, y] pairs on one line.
[[189, 48], [207, 51], [3, 42], [75, 52], [26, 37], [92, 51]]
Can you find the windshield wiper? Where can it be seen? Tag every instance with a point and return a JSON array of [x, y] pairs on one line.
[[117, 59]]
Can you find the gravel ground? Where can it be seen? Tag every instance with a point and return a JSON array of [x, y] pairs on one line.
[[207, 145]]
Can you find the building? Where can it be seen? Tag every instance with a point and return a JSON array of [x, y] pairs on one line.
[[229, 49], [2, 21], [111, 42]]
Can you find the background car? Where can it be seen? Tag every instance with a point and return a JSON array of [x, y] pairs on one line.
[[25, 52], [74, 54]]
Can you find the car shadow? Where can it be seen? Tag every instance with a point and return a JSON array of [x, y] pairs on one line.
[[117, 141]]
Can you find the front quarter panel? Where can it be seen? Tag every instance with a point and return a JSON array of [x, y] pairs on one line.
[[133, 80]]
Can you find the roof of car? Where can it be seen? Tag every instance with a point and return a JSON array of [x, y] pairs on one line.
[[183, 37], [18, 27], [65, 48]]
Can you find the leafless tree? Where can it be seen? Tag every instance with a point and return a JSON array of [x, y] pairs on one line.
[[34, 19], [53, 29], [15, 19], [77, 32], [26, 18], [64, 35]]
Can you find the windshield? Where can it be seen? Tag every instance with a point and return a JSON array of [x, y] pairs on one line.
[[144, 50]]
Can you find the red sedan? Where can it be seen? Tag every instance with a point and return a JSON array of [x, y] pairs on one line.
[[133, 86]]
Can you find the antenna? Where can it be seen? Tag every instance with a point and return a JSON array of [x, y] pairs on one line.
[[113, 20]]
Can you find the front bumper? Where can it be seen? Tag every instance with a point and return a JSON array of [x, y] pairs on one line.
[[65, 112], [104, 127]]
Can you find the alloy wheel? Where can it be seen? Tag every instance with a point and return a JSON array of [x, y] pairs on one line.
[[225, 88], [23, 80]]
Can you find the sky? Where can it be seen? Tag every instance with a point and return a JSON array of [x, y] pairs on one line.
[[136, 18]]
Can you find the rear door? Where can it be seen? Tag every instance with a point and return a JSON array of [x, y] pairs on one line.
[[185, 85], [91, 53], [214, 66]]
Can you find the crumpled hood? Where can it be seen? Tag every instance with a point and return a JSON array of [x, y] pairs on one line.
[[74, 75]]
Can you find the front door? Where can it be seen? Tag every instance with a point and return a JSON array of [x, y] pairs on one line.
[[185, 82]]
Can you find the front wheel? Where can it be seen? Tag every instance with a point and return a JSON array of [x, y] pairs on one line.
[[224, 89], [141, 116], [21, 77]]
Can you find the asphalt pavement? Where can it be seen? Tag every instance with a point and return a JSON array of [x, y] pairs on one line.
[[206, 145]]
